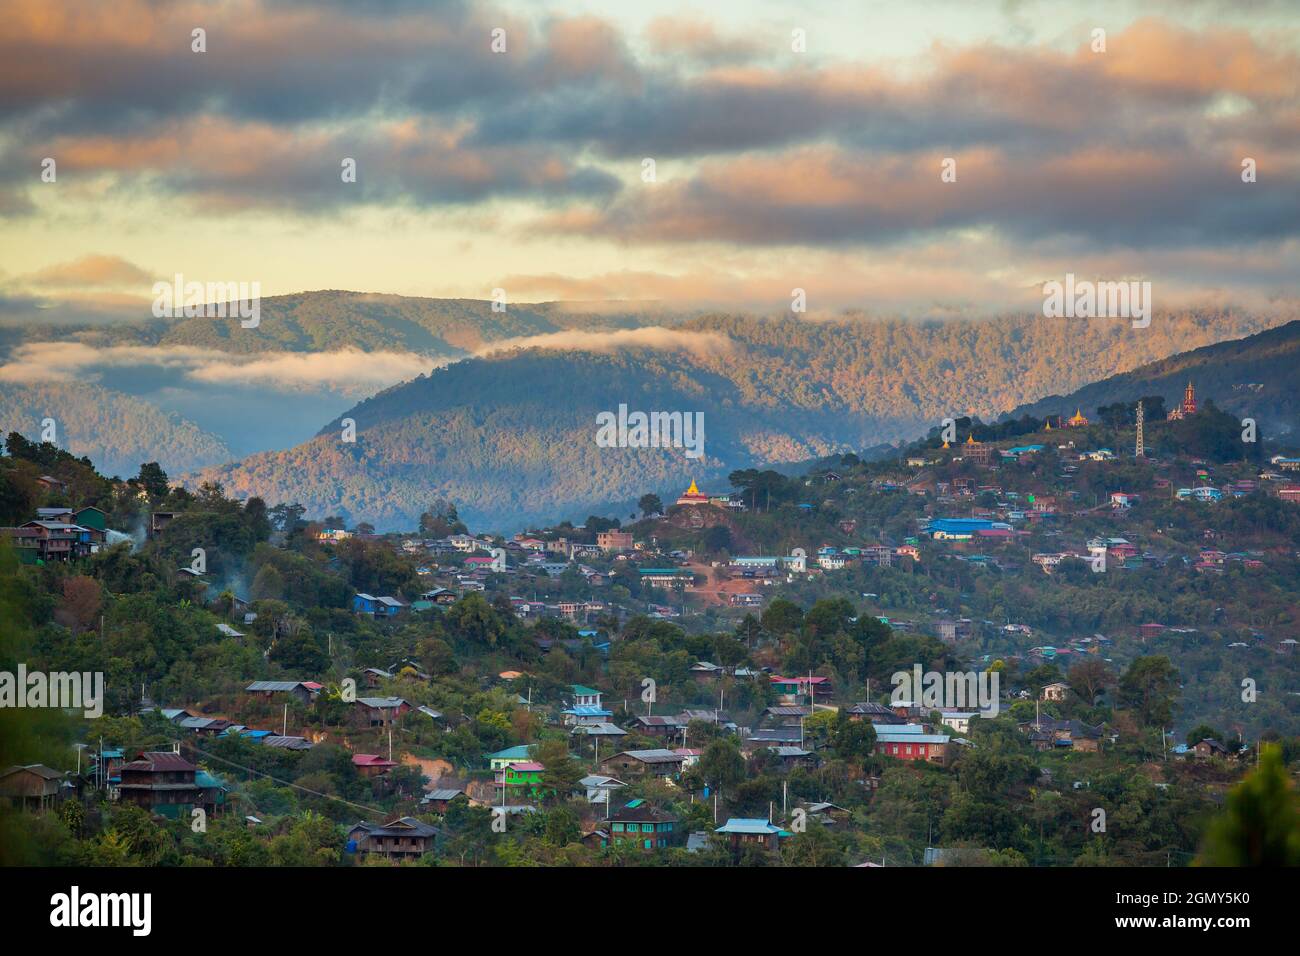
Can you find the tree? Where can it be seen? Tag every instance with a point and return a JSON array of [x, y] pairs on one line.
[[562, 827], [299, 651], [722, 765], [853, 739], [1089, 679], [287, 517], [268, 584], [717, 538], [1149, 687], [782, 617], [650, 505], [474, 619], [81, 603], [813, 847], [153, 480], [1260, 823], [749, 629], [562, 771]]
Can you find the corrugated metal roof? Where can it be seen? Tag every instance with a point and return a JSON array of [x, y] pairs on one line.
[[160, 760], [519, 752], [446, 794], [747, 825], [652, 756], [602, 729], [272, 685]]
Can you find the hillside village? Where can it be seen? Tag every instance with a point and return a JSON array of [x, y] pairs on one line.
[[711, 683]]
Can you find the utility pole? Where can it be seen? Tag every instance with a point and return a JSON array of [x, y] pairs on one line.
[[1140, 451], [284, 723]]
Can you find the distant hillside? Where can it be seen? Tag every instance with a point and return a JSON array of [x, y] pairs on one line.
[[333, 320], [116, 431], [511, 437], [1256, 377]]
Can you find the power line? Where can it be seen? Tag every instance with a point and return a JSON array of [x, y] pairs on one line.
[[284, 783]]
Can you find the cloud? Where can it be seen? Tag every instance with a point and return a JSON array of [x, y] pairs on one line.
[[699, 41], [89, 272], [1132, 153], [649, 337], [219, 163], [349, 371], [827, 195]]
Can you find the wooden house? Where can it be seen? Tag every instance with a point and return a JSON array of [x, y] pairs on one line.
[[403, 839]]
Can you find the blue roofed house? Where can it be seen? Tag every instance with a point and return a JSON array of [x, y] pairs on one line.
[[586, 707], [586, 715], [961, 529], [743, 831], [378, 606]]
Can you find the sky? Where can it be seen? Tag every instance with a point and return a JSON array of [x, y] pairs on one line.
[[778, 164]]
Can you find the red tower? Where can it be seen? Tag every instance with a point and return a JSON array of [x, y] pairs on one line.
[[1189, 400]]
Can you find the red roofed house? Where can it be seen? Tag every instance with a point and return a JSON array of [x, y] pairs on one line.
[[161, 782], [371, 765]]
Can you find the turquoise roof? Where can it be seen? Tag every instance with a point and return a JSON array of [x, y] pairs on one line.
[[748, 825], [511, 753]]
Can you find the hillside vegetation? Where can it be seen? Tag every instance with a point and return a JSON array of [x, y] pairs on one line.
[[511, 437]]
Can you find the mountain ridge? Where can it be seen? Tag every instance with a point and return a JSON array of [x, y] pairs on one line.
[[510, 436]]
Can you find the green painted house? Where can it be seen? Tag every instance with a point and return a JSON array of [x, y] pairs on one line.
[[523, 778], [644, 826], [91, 518], [503, 758]]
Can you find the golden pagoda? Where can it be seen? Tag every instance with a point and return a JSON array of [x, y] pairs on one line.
[[1078, 421], [693, 496]]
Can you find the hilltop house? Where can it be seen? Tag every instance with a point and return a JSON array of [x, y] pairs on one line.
[[372, 765], [404, 838], [660, 763], [161, 782], [643, 826], [910, 742], [304, 691], [32, 787], [378, 606], [1057, 691], [379, 711], [503, 758], [1046, 733], [743, 831]]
